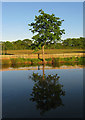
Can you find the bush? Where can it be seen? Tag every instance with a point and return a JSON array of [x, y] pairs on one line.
[[35, 61], [16, 60], [48, 59]]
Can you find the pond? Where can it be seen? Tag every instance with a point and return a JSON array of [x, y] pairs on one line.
[[47, 93]]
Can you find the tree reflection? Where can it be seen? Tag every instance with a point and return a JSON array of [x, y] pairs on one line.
[[46, 92]]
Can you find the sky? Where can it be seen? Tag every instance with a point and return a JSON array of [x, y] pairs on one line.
[[17, 15]]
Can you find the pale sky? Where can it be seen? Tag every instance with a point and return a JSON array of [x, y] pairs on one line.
[[17, 15]]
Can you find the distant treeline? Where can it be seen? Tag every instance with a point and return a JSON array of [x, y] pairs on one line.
[[75, 43]]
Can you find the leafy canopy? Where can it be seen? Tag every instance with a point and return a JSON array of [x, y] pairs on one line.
[[47, 29], [47, 93]]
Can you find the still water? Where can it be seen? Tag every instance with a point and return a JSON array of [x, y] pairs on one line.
[[25, 94]]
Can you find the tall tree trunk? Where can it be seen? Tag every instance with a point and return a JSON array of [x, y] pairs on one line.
[[43, 55]]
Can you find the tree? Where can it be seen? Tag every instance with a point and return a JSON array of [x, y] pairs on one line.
[[47, 93], [74, 43], [7, 46], [27, 43], [47, 29]]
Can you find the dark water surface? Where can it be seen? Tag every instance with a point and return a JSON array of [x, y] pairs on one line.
[[23, 97]]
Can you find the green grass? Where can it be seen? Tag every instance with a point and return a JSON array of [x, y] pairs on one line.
[[24, 60], [70, 59], [47, 51], [15, 61], [57, 62]]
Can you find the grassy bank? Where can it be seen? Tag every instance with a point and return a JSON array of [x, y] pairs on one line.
[[17, 61]]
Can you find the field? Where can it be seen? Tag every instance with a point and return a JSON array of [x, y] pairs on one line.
[[51, 53], [53, 56], [47, 51]]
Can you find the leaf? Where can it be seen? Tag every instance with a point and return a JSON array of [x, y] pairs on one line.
[[46, 27]]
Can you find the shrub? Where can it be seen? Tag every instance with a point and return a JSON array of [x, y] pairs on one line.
[[48, 59], [35, 61]]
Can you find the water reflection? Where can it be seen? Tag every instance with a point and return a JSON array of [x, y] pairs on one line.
[[57, 64], [47, 95], [46, 92]]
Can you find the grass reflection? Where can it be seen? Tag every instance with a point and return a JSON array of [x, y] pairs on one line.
[[57, 64]]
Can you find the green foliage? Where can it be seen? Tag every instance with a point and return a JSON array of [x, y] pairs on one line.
[[46, 93], [48, 59], [17, 45], [56, 61], [47, 28], [80, 60], [74, 43], [70, 43], [35, 61], [17, 60]]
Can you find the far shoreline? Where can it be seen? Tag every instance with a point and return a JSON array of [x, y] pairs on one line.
[[45, 67]]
